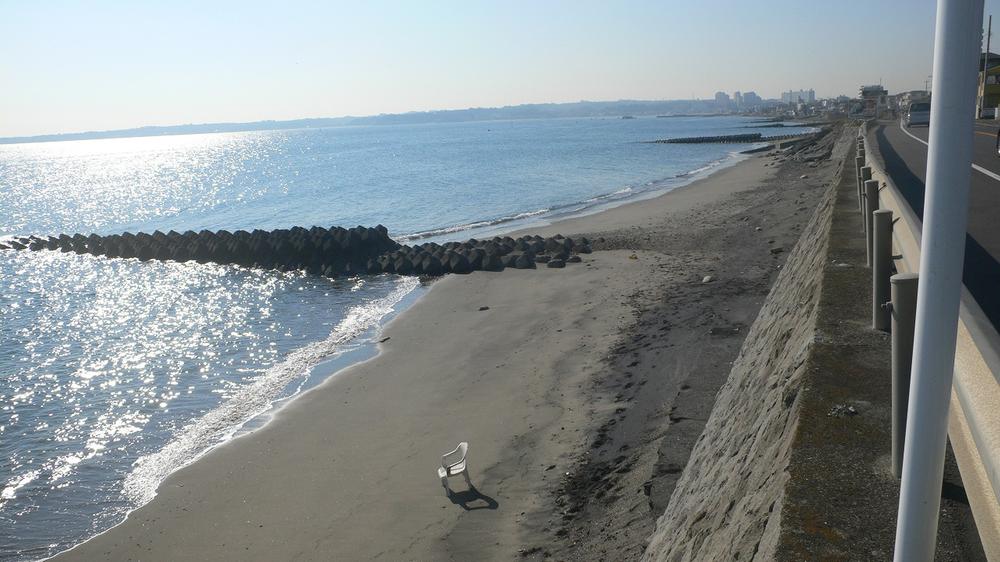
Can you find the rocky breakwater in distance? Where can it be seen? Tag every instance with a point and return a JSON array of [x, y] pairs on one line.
[[330, 252]]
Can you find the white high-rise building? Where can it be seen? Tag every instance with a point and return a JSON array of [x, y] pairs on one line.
[[799, 96]]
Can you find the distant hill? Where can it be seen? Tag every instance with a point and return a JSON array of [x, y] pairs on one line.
[[527, 111]]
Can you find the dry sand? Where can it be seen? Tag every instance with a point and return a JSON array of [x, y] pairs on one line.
[[567, 388]]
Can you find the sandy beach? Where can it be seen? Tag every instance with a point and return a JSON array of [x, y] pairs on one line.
[[581, 392]]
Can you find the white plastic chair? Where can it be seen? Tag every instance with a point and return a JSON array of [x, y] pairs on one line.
[[453, 463]]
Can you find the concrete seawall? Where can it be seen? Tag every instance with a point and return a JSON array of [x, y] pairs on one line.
[[727, 503], [794, 462]]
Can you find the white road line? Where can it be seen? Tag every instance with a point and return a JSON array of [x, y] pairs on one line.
[[975, 167]]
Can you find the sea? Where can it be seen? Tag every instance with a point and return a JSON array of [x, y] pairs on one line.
[[115, 372]]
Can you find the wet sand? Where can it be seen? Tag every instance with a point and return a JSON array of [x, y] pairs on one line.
[[580, 392]]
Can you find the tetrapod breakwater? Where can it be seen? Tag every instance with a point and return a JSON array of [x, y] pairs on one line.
[[331, 252], [724, 139]]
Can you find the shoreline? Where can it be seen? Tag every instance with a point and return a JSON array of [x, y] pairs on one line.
[[369, 344], [529, 221], [327, 369], [636, 213]]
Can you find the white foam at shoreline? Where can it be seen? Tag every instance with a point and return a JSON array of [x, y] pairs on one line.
[[583, 208], [257, 397]]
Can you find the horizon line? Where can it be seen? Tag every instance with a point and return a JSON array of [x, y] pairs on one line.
[[119, 133]]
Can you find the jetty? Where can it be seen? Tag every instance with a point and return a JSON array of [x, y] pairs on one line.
[[332, 252], [729, 139]]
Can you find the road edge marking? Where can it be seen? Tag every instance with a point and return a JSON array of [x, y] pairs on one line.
[[975, 167]]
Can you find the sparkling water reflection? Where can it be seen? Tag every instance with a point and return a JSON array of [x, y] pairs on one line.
[[105, 361], [101, 184]]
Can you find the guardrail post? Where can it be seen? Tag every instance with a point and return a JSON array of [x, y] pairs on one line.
[[859, 162], [881, 266], [866, 174], [903, 310], [871, 205]]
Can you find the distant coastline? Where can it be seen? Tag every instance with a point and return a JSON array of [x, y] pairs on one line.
[[581, 109]]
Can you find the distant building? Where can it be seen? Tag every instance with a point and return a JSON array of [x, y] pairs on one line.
[[904, 99], [799, 96], [738, 99], [873, 100], [722, 100], [751, 99], [988, 96]]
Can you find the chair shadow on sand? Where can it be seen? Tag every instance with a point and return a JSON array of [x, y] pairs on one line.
[[469, 499]]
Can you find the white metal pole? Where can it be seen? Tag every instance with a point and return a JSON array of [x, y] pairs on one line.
[[981, 100], [986, 62], [953, 105]]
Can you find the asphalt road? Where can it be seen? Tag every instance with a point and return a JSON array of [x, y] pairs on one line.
[[905, 154]]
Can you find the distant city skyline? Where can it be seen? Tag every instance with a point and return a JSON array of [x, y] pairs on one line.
[[108, 65]]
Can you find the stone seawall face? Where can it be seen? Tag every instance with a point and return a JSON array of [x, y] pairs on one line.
[[727, 503]]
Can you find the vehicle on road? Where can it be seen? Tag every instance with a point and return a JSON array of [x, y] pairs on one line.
[[988, 113], [918, 113]]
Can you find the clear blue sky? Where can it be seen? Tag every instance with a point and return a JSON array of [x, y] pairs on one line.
[[95, 65]]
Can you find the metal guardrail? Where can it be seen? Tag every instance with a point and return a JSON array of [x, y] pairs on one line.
[[974, 418]]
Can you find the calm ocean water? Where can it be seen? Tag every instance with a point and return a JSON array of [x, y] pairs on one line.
[[113, 373]]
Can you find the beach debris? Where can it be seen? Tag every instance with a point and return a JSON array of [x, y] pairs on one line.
[[633, 257], [803, 176], [557, 264], [385, 339], [707, 279], [777, 250], [482, 308], [842, 410], [454, 463]]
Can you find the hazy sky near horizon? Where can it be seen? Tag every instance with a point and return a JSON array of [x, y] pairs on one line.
[[98, 65]]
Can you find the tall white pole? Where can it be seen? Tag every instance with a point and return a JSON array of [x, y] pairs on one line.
[[956, 43], [986, 60], [981, 104]]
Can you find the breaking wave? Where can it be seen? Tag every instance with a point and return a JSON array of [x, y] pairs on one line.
[[255, 398]]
